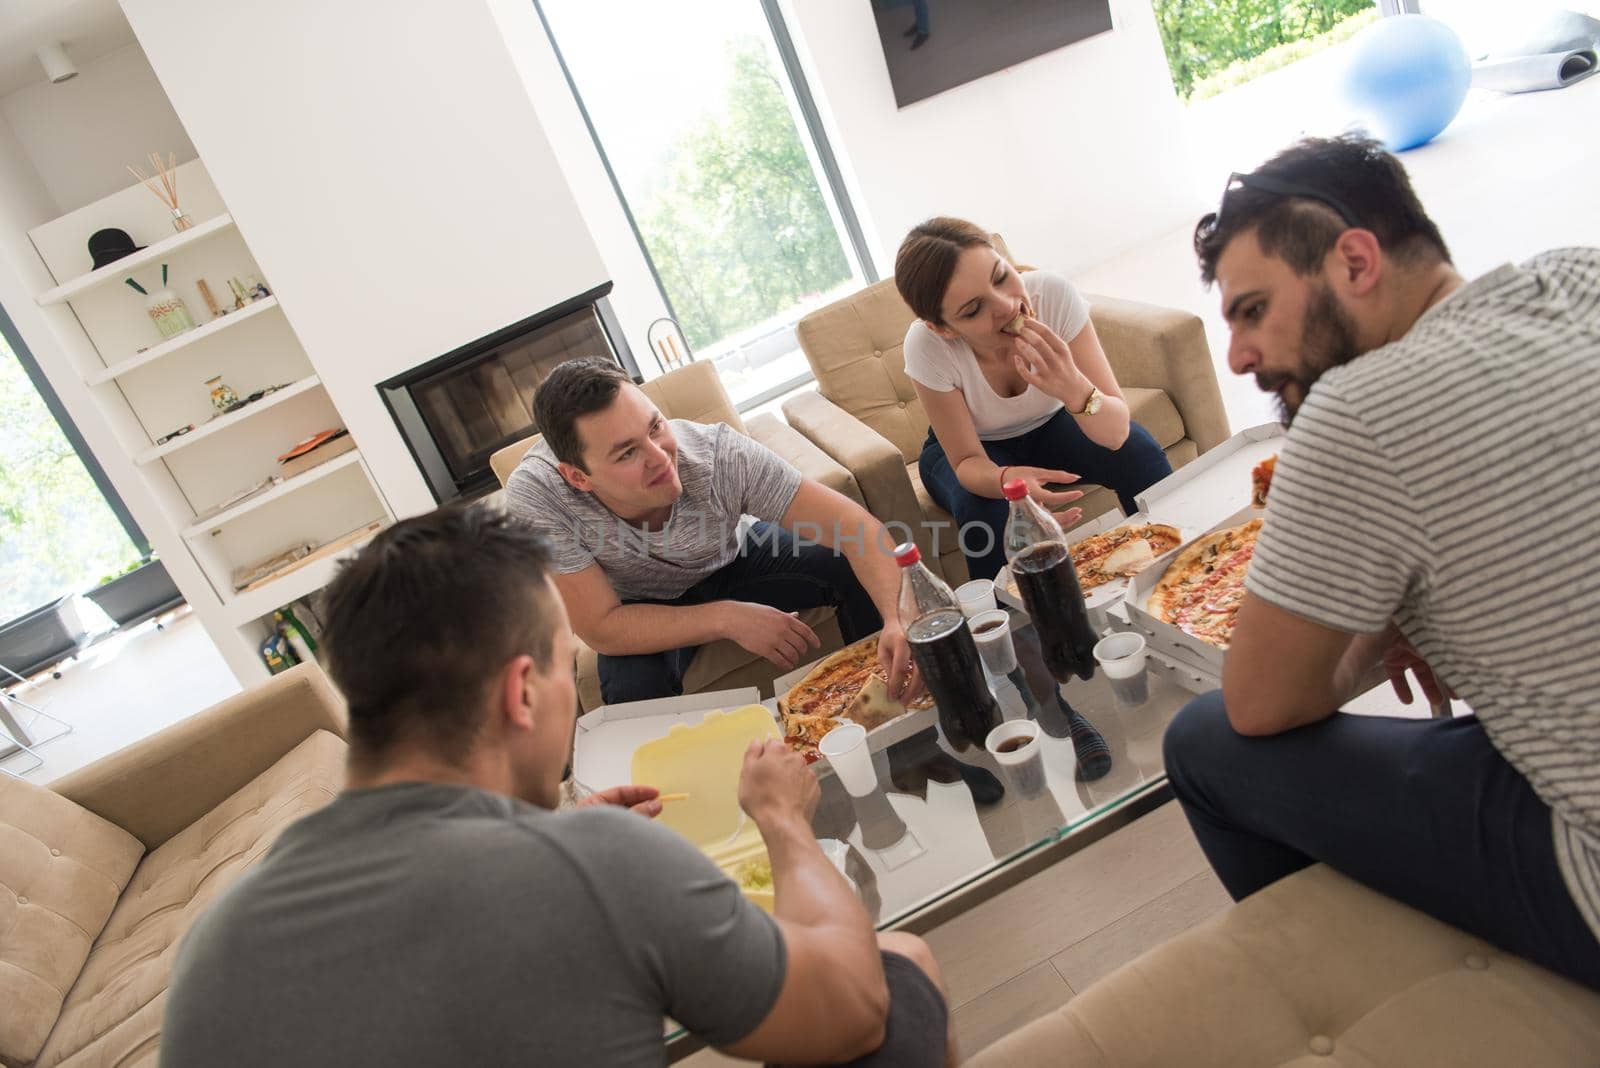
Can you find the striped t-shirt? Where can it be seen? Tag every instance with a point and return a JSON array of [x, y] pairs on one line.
[[725, 476], [1450, 481]]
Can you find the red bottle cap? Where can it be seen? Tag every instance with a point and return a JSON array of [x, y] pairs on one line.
[[907, 553], [1015, 490]]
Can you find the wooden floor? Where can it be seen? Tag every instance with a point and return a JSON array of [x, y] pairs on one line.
[[1030, 949]]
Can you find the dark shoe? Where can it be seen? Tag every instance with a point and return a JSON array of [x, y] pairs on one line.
[[918, 41]]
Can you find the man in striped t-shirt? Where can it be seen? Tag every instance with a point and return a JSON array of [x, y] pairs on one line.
[[1433, 511]]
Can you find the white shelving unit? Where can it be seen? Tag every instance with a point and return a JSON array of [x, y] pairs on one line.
[[146, 386]]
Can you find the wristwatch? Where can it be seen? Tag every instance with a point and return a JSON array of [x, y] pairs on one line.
[[1092, 405]]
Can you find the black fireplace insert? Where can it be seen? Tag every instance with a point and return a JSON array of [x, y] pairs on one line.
[[459, 409]]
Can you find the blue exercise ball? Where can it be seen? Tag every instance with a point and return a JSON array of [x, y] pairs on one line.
[[1406, 78]]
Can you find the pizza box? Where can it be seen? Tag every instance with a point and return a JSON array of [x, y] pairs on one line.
[[605, 739], [1163, 637], [1199, 495]]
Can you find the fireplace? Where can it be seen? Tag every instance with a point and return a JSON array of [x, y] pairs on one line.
[[459, 409]]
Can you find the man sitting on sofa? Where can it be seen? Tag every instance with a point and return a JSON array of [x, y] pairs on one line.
[[644, 513], [437, 913], [1432, 510]]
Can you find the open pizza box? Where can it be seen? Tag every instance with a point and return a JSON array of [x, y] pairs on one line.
[[1162, 637], [691, 745]]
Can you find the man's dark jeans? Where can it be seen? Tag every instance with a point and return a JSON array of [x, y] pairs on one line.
[[1059, 444], [1426, 811], [773, 569]]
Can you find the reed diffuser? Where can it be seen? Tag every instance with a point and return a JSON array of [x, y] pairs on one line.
[[164, 184]]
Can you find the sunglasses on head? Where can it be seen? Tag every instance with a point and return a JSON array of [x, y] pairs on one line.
[[1265, 183]]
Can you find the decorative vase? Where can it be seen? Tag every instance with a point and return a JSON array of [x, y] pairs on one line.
[[168, 311], [222, 395], [181, 220]]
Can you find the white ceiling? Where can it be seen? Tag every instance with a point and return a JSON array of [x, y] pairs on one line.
[[89, 28]]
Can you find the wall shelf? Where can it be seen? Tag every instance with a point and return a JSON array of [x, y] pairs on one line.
[[183, 340], [115, 272], [223, 422], [287, 486], [244, 607]]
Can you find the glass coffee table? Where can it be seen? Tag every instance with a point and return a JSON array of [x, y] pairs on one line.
[[944, 831]]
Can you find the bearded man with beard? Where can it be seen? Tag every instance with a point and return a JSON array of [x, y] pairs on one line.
[[1432, 511]]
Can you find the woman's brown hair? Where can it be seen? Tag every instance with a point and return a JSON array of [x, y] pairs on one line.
[[927, 259]]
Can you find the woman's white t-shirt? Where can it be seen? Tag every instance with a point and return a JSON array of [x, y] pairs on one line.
[[943, 364]]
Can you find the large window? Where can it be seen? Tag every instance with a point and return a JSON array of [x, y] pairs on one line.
[[693, 109], [59, 533], [1215, 45]]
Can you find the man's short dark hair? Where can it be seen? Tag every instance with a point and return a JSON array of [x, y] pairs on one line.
[[575, 389], [1353, 172], [420, 623]]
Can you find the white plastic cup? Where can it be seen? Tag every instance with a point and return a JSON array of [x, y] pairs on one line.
[[1122, 657], [1023, 765], [851, 758], [991, 631], [976, 596]]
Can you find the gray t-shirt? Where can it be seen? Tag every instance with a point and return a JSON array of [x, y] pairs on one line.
[[1447, 480], [425, 924], [725, 476]]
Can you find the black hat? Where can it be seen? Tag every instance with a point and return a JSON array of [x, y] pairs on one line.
[[109, 246]]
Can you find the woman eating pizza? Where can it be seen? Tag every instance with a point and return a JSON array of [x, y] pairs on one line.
[[1015, 385]]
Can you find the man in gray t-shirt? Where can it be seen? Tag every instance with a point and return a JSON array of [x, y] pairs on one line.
[[651, 554], [1429, 514], [438, 911]]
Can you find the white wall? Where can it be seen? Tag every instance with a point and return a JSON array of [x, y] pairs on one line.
[[80, 135], [391, 177], [1074, 156]]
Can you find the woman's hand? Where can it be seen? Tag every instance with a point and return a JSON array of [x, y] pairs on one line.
[[1053, 500], [1045, 362]]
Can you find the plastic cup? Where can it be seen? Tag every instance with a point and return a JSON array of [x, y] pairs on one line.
[[991, 631], [1122, 658], [1022, 761], [851, 758], [976, 596]]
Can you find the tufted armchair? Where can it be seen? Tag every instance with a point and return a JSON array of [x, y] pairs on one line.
[[103, 872], [866, 415], [694, 392]]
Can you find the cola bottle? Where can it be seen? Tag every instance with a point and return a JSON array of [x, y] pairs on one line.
[[1042, 565], [942, 645]]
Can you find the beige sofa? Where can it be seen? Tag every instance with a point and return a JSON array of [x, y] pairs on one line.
[[696, 393], [1316, 971], [102, 873], [866, 415]]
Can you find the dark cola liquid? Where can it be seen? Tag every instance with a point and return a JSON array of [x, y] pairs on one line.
[[944, 651], [1049, 586]]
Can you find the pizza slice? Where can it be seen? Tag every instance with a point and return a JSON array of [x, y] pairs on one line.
[[1261, 480], [1202, 589]]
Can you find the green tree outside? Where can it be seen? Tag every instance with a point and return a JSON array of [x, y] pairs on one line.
[[737, 226], [57, 534], [1203, 38]]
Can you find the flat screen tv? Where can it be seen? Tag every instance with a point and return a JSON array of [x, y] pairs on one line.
[[934, 45]]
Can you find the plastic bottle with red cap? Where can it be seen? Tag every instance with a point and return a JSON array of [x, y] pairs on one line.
[[1041, 563], [942, 645]]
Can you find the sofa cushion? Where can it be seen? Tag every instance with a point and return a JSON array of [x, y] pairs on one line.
[[62, 869], [113, 1014], [1317, 970]]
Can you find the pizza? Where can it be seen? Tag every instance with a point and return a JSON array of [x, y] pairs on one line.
[[1202, 588], [1261, 480], [1015, 325], [844, 686], [1115, 554]]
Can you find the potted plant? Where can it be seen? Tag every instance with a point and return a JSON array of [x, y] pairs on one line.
[[42, 637], [141, 590]]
